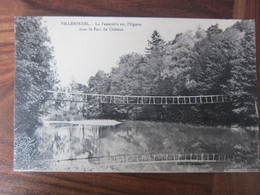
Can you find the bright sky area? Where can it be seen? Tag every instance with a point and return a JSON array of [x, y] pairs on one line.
[[80, 53]]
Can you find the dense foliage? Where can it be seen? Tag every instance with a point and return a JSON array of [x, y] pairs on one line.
[[203, 62], [35, 72]]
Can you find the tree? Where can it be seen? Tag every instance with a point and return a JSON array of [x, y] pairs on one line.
[[212, 31], [178, 61], [155, 55], [35, 72], [212, 60], [242, 84], [99, 83], [129, 77]]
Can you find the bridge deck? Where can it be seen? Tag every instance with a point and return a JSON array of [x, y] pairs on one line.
[[128, 99]]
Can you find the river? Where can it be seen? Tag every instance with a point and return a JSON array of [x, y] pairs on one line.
[[75, 141]]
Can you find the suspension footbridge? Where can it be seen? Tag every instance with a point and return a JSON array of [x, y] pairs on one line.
[[130, 99]]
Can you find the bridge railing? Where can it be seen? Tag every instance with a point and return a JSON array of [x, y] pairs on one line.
[[127, 99]]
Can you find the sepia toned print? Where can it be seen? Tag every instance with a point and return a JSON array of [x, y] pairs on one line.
[[108, 94]]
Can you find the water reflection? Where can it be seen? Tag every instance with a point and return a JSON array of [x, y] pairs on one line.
[[69, 140], [83, 139]]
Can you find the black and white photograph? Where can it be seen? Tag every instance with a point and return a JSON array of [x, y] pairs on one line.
[[125, 94]]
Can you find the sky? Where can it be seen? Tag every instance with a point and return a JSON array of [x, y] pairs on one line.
[[84, 45]]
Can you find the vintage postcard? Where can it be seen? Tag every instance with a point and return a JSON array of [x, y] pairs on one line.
[[114, 94]]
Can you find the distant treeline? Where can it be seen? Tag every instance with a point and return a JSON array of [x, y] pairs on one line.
[[211, 62]]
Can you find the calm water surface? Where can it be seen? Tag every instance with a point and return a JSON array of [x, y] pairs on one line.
[[81, 139]]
